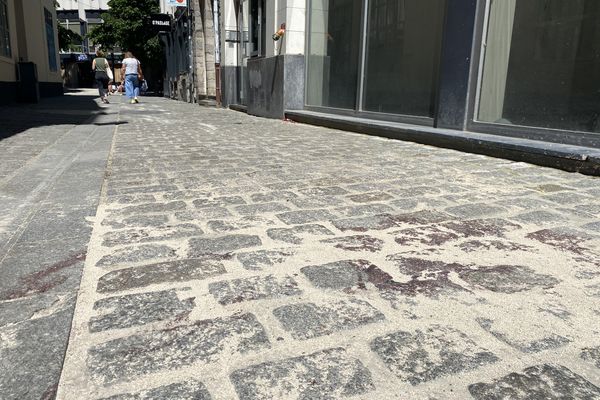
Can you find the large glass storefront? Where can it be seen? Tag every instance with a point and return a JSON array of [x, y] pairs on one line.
[[541, 64], [375, 55]]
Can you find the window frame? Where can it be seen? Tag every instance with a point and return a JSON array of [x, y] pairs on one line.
[[581, 138]]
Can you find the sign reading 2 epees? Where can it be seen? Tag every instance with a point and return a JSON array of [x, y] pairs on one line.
[[160, 22], [177, 3]]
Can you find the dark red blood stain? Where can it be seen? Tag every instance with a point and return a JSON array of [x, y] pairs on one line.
[[474, 245], [46, 279], [356, 243], [560, 240], [480, 227], [50, 392], [431, 283], [431, 236]]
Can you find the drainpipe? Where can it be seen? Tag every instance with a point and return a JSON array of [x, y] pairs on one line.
[[192, 71], [217, 29]]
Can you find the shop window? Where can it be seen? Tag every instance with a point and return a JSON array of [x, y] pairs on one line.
[[333, 60], [391, 68], [5, 49], [257, 28], [49, 22], [541, 64], [404, 39]]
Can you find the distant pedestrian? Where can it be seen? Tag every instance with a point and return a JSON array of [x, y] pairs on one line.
[[100, 65], [132, 71]]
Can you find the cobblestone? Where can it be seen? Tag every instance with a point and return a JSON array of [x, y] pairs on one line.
[[174, 271], [254, 288], [190, 390], [426, 355], [327, 374], [272, 260], [537, 382], [138, 309], [222, 245], [203, 341], [309, 320]]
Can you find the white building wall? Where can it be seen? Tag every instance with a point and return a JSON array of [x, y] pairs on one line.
[[83, 4]]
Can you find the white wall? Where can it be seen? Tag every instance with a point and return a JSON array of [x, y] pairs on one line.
[[84, 4]]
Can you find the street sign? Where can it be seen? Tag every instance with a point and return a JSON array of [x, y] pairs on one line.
[[160, 22], [177, 3]]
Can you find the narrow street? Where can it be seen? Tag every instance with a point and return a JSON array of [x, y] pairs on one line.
[[168, 251]]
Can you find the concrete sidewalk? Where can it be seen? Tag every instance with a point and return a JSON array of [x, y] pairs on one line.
[[237, 257]]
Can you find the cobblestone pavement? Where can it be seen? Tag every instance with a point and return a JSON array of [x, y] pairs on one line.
[[52, 161], [237, 257]]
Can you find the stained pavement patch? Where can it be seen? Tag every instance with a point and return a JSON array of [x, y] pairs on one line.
[[168, 349], [171, 271], [327, 374], [423, 356], [309, 320], [562, 239], [496, 278], [138, 309], [544, 381], [253, 288], [350, 275]]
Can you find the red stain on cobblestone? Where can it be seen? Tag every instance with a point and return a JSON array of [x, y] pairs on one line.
[[478, 228], [429, 283], [561, 240], [46, 279], [50, 392], [475, 245]]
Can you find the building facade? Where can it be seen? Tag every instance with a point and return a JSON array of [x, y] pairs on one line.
[[191, 48], [519, 68], [29, 61]]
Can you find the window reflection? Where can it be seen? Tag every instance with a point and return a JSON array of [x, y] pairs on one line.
[[542, 64]]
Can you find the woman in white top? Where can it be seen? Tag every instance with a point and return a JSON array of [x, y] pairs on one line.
[[132, 71]]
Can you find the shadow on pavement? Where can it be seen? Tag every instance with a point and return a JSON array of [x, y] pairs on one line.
[[74, 108]]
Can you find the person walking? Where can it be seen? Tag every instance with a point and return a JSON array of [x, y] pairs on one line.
[[100, 65], [132, 71]]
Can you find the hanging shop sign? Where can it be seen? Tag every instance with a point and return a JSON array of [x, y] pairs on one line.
[[160, 22]]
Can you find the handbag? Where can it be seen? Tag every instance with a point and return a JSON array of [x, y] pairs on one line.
[[109, 72]]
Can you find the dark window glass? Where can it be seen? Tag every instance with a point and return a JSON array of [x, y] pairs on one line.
[[334, 53], [257, 28], [4, 31], [542, 64], [404, 40], [51, 43]]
